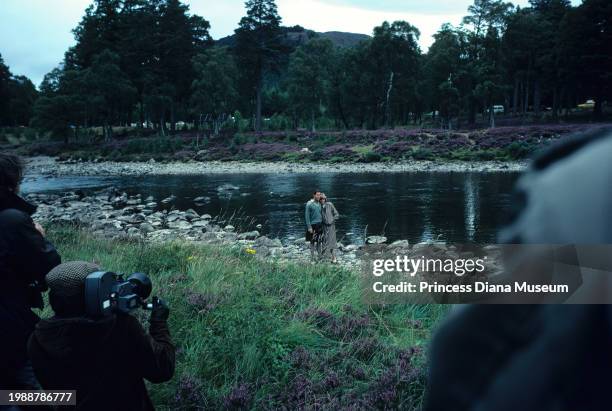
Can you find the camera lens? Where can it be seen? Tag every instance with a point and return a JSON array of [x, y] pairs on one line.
[[142, 284]]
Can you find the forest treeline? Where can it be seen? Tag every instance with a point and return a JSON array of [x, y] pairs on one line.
[[152, 63]]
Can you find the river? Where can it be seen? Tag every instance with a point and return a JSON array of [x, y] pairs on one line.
[[417, 206]]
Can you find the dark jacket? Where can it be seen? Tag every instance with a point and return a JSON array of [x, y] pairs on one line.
[[25, 257], [104, 360]]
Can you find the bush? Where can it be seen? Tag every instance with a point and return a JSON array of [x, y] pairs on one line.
[[239, 139], [421, 153], [518, 150], [296, 156], [371, 157]]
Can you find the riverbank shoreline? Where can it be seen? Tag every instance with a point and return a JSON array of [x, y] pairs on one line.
[[112, 215], [49, 166]]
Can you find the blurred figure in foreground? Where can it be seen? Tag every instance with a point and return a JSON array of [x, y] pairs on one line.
[[25, 258], [537, 357]]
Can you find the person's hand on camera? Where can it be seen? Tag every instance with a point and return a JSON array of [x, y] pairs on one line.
[[310, 230], [160, 310]]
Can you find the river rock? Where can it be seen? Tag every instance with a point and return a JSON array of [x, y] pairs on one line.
[[262, 251], [200, 223], [180, 225], [351, 247], [146, 228], [168, 200], [229, 228], [201, 200], [250, 235], [191, 214], [227, 187], [120, 202], [228, 236], [400, 244], [209, 237], [172, 218], [268, 242], [376, 239]]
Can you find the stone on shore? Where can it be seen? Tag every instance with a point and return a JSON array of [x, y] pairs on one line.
[[376, 239]]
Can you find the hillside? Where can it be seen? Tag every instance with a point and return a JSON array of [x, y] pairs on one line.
[[298, 35]]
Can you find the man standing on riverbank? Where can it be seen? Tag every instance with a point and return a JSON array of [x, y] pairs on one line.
[[313, 219]]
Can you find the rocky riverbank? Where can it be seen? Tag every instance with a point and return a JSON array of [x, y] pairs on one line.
[[49, 166], [113, 215], [117, 216]]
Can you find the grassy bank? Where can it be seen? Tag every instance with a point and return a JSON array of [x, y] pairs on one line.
[[261, 335], [365, 146]]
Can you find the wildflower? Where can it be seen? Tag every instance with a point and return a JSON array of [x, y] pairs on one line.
[[251, 251]]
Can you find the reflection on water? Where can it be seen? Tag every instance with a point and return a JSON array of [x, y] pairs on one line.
[[414, 206], [471, 207]]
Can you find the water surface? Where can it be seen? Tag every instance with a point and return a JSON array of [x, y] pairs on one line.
[[416, 206]]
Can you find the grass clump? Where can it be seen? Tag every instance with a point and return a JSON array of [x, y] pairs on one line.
[[254, 334]]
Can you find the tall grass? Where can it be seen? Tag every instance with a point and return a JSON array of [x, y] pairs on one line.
[[253, 334]]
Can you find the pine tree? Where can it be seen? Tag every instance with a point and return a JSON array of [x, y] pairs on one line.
[[258, 43]]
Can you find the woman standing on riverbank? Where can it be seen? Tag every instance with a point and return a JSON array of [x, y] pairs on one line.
[[330, 215]]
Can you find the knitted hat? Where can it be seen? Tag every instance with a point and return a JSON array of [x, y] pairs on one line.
[[67, 287], [68, 279]]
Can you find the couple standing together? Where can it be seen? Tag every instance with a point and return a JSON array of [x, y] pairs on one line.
[[321, 216]]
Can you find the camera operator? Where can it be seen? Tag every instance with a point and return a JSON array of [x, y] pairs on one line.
[[25, 257], [104, 359]]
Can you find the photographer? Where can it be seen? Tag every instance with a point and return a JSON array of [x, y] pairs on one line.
[[104, 359], [25, 257]]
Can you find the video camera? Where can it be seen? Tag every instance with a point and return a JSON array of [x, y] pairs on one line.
[[107, 293]]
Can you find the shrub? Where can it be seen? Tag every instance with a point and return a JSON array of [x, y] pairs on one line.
[[421, 153], [239, 139], [518, 150], [372, 157]]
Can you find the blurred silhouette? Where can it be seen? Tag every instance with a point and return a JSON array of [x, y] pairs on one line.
[[537, 357]]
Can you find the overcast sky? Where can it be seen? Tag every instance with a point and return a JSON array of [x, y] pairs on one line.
[[34, 34]]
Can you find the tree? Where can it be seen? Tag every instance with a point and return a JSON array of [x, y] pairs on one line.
[[590, 30], [309, 77], [5, 78], [61, 104], [448, 101], [258, 44], [179, 38], [17, 96], [214, 88], [395, 51], [443, 64], [23, 95], [155, 41], [109, 91], [488, 20]]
